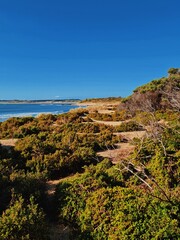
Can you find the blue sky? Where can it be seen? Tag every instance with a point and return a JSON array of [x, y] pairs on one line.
[[81, 49]]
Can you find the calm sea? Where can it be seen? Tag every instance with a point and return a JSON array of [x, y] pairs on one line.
[[22, 110]]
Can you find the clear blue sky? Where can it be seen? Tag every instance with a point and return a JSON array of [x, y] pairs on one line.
[[85, 48]]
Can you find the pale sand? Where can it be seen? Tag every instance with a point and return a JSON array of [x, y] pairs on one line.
[[105, 111], [8, 142], [131, 135], [110, 123]]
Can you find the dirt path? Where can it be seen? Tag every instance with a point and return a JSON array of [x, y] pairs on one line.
[[8, 142], [57, 231], [131, 135], [110, 123], [51, 186], [123, 150]]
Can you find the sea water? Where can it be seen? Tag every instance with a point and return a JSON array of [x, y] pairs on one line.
[[24, 110]]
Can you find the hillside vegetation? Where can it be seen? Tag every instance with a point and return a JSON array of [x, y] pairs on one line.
[[136, 198], [101, 100], [161, 94]]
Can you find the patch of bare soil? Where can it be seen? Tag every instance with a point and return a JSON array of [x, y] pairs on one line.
[[131, 135], [60, 232], [110, 123], [51, 186], [106, 111], [57, 231], [100, 106], [122, 151], [8, 142]]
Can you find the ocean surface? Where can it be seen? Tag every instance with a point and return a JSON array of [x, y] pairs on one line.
[[22, 110]]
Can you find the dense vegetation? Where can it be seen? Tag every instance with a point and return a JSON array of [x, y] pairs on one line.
[[115, 116], [158, 94], [104, 100], [138, 198]]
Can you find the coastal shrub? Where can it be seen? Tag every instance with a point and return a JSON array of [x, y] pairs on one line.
[[120, 115], [99, 208], [9, 127], [88, 128], [144, 118], [14, 177], [65, 152], [173, 70], [129, 126], [169, 115], [27, 184], [23, 220], [114, 116], [160, 158], [72, 116]]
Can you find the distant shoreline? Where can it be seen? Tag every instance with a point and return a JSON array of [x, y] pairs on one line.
[[71, 101]]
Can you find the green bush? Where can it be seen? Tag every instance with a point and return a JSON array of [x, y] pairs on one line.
[[23, 221], [98, 209], [129, 126]]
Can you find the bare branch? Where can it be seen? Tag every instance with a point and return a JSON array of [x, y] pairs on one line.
[[125, 167]]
